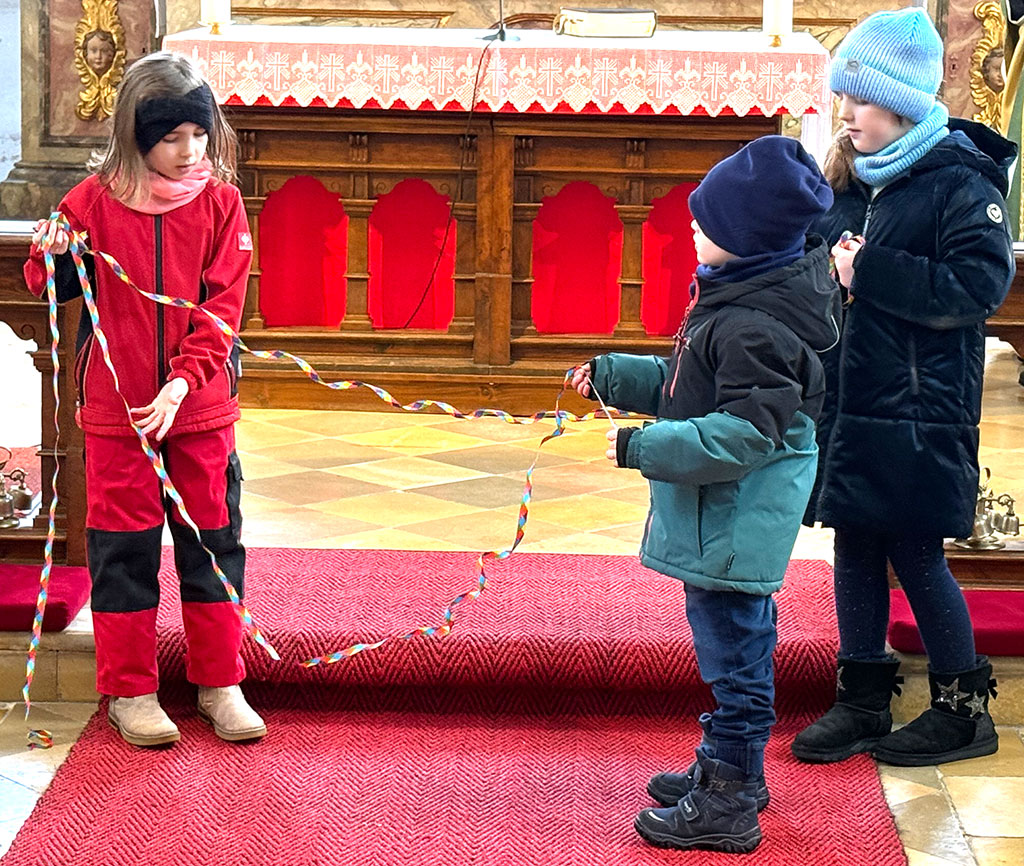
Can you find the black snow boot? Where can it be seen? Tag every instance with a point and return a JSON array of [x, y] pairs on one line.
[[956, 726], [718, 813], [860, 716], [669, 788]]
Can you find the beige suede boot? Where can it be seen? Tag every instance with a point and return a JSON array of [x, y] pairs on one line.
[[141, 721], [232, 718]]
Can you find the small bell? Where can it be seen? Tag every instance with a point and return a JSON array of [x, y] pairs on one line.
[[1011, 522], [998, 523], [21, 495], [7, 518]]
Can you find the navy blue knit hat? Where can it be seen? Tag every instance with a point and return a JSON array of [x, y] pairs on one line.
[[761, 199], [892, 59]]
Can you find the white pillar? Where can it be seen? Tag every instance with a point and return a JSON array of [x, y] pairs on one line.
[[816, 135], [777, 17], [215, 14]]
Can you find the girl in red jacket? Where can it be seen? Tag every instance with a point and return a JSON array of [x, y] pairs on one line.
[[160, 201]]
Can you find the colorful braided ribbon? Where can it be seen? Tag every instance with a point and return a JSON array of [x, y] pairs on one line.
[[44, 575], [78, 250], [40, 739]]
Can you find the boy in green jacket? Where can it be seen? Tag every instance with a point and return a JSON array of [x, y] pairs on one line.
[[731, 461]]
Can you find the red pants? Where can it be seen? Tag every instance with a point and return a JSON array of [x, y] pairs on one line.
[[126, 513]]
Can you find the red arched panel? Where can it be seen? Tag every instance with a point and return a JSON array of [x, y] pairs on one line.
[[303, 255], [669, 261], [407, 228], [577, 260]]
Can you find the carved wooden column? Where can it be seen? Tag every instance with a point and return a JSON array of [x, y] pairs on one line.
[[358, 207], [495, 170], [252, 318], [248, 183], [464, 210], [525, 210], [357, 277], [632, 214], [631, 281]]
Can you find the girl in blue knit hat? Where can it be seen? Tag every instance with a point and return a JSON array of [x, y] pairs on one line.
[[930, 259], [731, 462]]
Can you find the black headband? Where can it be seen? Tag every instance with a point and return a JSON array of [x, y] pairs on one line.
[[154, 118]]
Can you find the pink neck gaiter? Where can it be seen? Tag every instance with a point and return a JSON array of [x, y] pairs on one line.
[[166, 194]]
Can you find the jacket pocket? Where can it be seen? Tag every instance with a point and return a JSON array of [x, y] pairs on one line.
[[233, 498], [673, 534], [81, 365]]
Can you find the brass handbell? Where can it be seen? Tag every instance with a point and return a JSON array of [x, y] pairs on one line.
[[7, 518], [988, 520], [1007, 523], [21, 494]]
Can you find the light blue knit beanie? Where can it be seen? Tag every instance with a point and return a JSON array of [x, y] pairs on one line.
[[892, 59]]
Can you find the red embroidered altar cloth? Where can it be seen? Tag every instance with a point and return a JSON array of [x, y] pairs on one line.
[[673, 72]]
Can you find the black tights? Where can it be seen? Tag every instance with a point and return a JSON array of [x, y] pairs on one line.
[[862, 598]]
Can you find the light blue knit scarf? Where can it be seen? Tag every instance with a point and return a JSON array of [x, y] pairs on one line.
[[878, 169]]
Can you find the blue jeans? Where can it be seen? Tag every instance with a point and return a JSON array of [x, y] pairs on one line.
[[734, 637]]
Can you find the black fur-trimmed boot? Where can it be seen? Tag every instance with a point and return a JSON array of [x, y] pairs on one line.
[[860, 716], [956, 726], [719, 812], [669, 788]]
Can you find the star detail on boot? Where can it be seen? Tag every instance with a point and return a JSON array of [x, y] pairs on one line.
[[977, 704], [951, 694], [840, 685]]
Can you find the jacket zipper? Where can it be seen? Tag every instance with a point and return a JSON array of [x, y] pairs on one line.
[[158, 237], [678, 353], [700, 521], [229, 369], [681, 342], [80, 367], [915, 385], [867, 219]]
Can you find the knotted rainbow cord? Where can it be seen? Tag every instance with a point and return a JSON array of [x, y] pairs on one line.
[[40, 739], [78, 250]]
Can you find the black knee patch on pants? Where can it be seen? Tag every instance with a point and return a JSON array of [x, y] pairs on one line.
[[124, 567], [199, 582]]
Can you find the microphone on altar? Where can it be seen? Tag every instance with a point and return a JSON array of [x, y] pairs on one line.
[[501, 34]]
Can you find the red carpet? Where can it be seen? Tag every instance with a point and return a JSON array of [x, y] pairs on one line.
[[525, 738], [545, 620]]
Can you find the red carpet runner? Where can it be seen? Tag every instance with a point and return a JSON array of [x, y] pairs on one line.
[[524, 738]]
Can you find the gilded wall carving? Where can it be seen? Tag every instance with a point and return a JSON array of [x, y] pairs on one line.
[[62, 65], [99, 58], [987, 81]]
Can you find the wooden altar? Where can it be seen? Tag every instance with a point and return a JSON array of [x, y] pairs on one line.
[[352, 153], [572, 142], [28, 317]]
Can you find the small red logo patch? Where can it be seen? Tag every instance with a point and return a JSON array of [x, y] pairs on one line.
[[245, 241]]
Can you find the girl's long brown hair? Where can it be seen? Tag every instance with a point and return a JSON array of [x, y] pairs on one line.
[[120, 166], [838, 168]]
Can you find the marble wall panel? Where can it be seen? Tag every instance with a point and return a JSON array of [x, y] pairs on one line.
[[61, 125]]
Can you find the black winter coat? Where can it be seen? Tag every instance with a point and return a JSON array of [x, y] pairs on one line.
[[898, 435]]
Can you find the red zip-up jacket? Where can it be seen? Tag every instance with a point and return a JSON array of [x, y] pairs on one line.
[[201, 252]]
